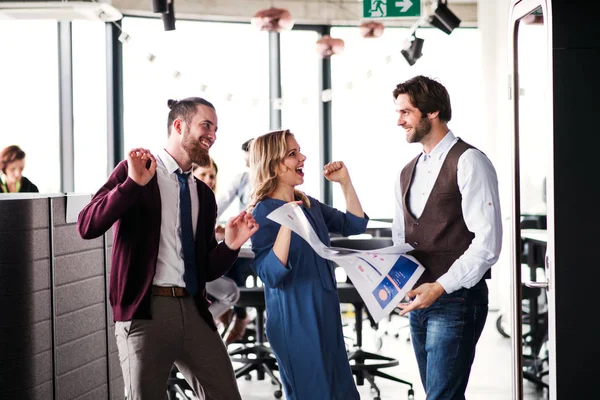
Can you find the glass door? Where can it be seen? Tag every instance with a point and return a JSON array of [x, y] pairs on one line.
[[531, 293]]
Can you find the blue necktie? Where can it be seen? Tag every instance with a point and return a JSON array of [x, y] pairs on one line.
[[187, 234]]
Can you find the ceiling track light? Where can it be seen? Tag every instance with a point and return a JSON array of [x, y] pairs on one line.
[[444, 19]]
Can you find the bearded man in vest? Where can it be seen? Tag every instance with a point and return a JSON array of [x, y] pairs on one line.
[[447, 209]]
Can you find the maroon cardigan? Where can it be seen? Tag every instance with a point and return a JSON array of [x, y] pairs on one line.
[[135, 212]]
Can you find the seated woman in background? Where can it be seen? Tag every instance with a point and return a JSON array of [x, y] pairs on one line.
[[224, 292], [208, 175], [12, 163], [304, 324]]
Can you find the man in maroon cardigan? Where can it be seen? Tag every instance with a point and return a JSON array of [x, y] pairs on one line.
[[164, 252]]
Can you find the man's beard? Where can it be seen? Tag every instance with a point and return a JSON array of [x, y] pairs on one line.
[[420, 131], [196, 152]]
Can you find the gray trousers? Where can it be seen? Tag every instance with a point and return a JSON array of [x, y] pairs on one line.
[[226, 294], [176, 334]]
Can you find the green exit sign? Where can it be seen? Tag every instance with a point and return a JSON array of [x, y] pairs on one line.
[[391, 8]]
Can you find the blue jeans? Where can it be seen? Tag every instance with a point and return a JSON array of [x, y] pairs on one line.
[[444, 337]]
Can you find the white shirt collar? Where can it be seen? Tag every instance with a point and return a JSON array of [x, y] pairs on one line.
[[169, 162], [440, 149]]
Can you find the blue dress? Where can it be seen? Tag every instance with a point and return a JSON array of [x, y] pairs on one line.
[[303, 324]]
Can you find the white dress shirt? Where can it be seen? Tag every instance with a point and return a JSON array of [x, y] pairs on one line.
[[170, 265], [478, 186]]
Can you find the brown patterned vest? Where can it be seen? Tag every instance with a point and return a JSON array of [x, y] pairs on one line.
[[440, 235]]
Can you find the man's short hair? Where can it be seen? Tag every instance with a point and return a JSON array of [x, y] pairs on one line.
[[426, 94], [185, 109]]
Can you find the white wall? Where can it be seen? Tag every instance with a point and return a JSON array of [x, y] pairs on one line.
[[493, 25]]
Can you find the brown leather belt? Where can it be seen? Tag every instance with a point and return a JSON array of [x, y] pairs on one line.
[[169, 291]]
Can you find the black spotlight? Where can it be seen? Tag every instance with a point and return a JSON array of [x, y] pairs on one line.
[[444, 19], [169, 17], [413, 51], [159, 6]]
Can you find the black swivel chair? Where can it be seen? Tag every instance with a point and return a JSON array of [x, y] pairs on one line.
[[535, 313], [365, 365], [256, 357]]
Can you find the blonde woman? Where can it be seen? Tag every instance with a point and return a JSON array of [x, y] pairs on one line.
[[303, 309]]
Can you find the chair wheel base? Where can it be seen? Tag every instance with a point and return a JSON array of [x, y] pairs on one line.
[[278, 394]]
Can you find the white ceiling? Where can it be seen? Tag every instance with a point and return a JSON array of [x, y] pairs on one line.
[[334, 12]]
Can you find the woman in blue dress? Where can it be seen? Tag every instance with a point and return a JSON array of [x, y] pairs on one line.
[[304, 324]]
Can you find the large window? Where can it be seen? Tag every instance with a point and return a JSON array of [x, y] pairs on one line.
[[29, 102], [365, 134], [225, 63], [89, 105], [301, 101]]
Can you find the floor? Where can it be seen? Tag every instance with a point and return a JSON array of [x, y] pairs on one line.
[[490, 377]]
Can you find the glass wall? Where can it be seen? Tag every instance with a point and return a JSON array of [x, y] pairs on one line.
[[89, 105], [365, 134], [301, 101], [29, 101], [225, 63]]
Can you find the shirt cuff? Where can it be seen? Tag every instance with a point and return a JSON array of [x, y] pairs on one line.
[[449, 283]]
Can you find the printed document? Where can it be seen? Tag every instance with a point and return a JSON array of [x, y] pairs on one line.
[[382, 276]]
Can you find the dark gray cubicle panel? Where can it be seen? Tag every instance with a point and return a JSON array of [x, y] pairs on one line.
[[80, 311], [117, 388], [56, 329], [26, 357]]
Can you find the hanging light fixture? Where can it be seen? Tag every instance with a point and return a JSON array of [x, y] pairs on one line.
[[413, 51], [328, 46], [444, 19], [169, 17], [159, 6], [273, 20], [371, 29]]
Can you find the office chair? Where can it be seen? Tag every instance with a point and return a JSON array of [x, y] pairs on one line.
[[256, 357], [365, 365], [176, 386], [535, 318], [534, 307]]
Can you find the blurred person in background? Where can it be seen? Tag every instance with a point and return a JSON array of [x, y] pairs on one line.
[[12, 164], [224, 291], [238, 188]]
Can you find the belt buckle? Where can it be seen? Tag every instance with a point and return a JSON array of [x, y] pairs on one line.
[[173, 291]]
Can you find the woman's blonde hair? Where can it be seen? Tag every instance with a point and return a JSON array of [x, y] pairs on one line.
[[266, 153]]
